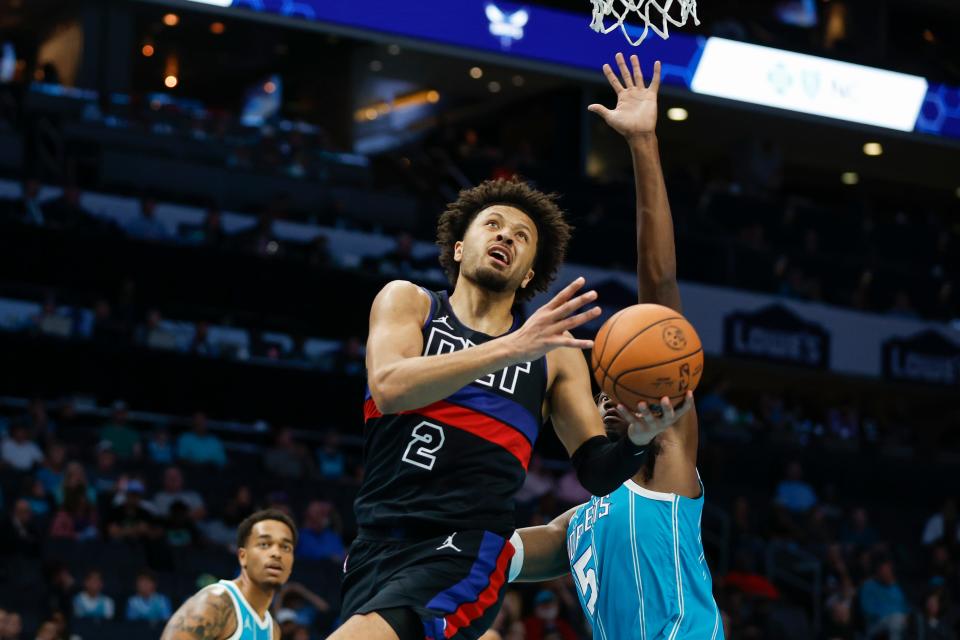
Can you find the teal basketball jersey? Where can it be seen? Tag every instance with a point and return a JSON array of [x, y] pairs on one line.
[[249, 625], [637, 560]]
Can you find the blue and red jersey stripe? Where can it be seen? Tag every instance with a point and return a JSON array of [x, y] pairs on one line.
[[468, 600], [484, 414]]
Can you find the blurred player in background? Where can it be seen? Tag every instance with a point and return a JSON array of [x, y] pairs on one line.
[[239, 609]]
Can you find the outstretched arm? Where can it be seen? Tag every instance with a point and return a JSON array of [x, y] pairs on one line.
[[208, 615], [635, 118], [545, 550]]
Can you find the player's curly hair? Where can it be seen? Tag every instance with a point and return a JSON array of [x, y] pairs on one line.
[[553, 231]]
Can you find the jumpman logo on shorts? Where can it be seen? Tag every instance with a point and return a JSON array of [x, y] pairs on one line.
[[443, 320], [448, 544]]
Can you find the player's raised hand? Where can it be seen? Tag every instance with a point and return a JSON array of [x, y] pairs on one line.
[[547, 329], [645, 425], [636, 112]]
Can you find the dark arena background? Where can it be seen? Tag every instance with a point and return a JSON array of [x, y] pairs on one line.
[[200, 199]]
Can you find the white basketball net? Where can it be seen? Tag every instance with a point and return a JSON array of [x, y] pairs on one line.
[[620, 10]]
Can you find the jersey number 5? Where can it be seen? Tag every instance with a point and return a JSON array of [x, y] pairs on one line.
[[427, 440], [586, 579]]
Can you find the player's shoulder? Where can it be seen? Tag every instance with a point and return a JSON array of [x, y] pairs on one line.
[[210, 610], [404, 290], [402, 295], [215, 597]]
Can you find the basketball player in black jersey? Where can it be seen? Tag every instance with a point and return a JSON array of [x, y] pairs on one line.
[[458, 388]]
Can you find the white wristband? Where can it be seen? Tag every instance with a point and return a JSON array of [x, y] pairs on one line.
[[516, 562]]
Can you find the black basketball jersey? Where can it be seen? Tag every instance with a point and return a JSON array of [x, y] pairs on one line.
[[455, 464]]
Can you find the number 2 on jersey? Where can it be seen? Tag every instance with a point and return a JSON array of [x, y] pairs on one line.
[[586, 579], [430, 436]]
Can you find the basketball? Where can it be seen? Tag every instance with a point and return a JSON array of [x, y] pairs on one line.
[[646, 352]]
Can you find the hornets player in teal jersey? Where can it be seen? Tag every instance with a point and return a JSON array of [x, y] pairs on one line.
[[238, 609], [636, 554]]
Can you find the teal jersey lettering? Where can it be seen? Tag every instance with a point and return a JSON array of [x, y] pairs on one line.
[[637, 560]]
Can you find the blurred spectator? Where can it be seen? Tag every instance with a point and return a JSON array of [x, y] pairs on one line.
[[124, 441], [941, 523], [48, 630], [105, 475], [66, 212], [146, 226], [52, 320], [400, 260], [941, 563], [794, 492], [179, 529], [76, 519], [29, 208], [318, 539], [545, 622], [200, 447], [36, 494], [318, 254], [41, 427], [173, 491], [74, 483], [858, 534], [12, 627], [107, 328], [154, 334], [200, 343], [745, 537], [331, 462], [159, 447], [146, 604], [127, 306], [131, 520], [839, 621], [60, 588], [303, 602], [18, 451], [837, 580], [349, 359], [287, 458], [259, 239], [222, 530], [287, 620], [885, 608], [66, 414], [210, 231], [91, 603], [240, 506], [903, 306], [934, 624], [18, 533], [515, 631], [745, 578], [51, 473]]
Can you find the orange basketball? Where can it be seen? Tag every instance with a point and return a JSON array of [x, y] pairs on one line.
[[645, 352]]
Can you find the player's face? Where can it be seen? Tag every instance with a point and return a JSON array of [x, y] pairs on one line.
[[268, 555], [615, 424], [498, 249]]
